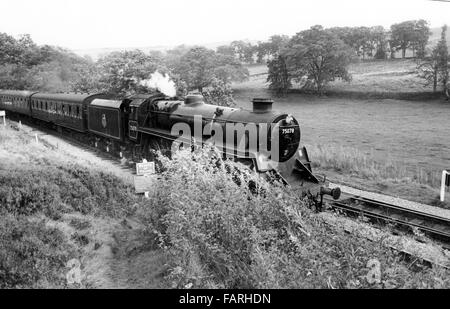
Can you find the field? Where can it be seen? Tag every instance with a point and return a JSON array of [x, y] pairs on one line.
[[410, 137], [376, 76]]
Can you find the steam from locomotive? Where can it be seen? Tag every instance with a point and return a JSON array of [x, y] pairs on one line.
[[160, 82]]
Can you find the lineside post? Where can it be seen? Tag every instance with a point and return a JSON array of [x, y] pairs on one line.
[[444, 183], [3, 114]]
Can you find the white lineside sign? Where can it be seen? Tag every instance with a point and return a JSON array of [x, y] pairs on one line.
[[144, 179], [3, 114], [145, 168], [444, 183]]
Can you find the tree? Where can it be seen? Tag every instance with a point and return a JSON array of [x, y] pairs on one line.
[[402, 35], [219, 93], [361, 39], [319, 55], [435, 68], [443, 58], [25, 65], [226, 50], [410, 34], [278, 76], [229, 69], [244, 51], [271, 48], [379, 35], [196, 67], [420, 38], [10, 52], [428, 69], [276, 44], [262, 51], [120, 73]]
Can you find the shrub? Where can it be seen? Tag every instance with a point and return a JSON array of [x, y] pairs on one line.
[[54, 189], [222, 234], [203, 215], [31, 254]]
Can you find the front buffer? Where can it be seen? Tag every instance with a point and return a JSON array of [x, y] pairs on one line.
[[297, 172]]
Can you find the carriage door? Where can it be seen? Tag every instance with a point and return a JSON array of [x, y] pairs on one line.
[[133, 124]]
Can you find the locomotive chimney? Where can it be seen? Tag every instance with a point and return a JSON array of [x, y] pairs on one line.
[[261, 105], [194, 98]]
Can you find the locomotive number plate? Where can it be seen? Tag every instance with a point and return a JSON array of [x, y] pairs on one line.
[[287, 131]]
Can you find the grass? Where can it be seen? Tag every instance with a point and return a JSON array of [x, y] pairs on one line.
[[355, 168], [39, 188], [351, 160], [386, 77]]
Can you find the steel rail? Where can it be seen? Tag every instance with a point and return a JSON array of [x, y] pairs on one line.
[[424, 221]]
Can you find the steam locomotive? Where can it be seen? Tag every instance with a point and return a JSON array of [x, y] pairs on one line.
[[130, 124]]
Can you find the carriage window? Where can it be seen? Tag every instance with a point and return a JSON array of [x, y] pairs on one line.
[[70, 110], [78, 111], [46, 106]]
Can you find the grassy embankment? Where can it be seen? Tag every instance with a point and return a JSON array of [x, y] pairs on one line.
[[198, 229], [54, 209]]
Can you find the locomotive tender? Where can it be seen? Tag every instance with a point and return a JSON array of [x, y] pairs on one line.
[[130, 124]]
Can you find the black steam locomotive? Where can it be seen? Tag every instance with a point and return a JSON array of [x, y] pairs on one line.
[[129, 125]]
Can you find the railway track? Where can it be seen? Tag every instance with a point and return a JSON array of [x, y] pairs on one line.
[[432, 225]]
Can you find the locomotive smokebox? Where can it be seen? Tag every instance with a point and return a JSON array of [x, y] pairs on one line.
[[261, 105], [194, 99]]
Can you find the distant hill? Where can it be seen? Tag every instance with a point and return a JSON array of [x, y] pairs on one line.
[[95, 53]]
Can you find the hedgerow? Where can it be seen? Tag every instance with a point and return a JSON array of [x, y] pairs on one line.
[[54, 190]]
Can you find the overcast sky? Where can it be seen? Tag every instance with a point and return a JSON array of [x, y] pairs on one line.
[[81, 24]]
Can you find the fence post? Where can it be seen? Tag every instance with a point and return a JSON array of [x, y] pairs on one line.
[[3, 114], [444, 183]]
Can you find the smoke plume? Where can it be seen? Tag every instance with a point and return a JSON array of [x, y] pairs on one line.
[[162, 83]]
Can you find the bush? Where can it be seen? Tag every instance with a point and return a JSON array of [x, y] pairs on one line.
[[203, 215], [221, 234], [53, 190], [31, 254]]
